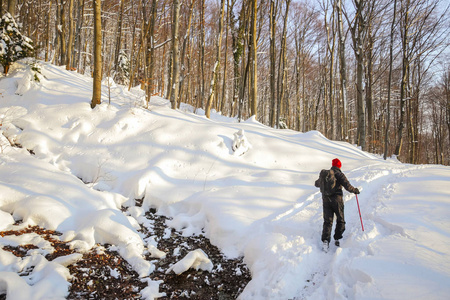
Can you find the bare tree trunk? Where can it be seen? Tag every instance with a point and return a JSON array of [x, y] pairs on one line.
[[151, 55], [254, 61], [71, 37], [12, 7], [272, 55], [183, 50], [281, 87], [238, 48], [97, 79], [62, 31], [369, 83], [119, 35], [331, 45], [217, 64], [79, 34], [391, 58], [175, 53], [202, 54], [447, 97], [225, 67], [358, 31], [405, 78], [47, 36]]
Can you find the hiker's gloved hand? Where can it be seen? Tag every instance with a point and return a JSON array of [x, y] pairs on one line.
[[356, 191]]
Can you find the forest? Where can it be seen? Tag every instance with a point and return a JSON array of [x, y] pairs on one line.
[[375, 73]]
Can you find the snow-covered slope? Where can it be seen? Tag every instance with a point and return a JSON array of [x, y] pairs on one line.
[[261, 204]]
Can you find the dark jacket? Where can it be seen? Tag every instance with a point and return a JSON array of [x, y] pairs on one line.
[[341, 180]]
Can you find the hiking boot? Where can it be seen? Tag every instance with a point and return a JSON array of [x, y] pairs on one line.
[[336, 242]]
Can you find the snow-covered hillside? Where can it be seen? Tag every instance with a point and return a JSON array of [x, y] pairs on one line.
[[261, 204]]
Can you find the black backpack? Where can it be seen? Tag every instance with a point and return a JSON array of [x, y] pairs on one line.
[[328, 182]]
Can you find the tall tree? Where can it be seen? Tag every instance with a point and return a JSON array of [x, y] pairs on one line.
[[404, 29], [151, 48], [342, 120], [254, 61], [237, 33], [330, 28], [47, 34], [69, 59], [119, 35], [97, 78], [12, 7], [272, 58], [282, 69], [217, 64], [62, 31], [183, 51], [391, 59], [200, 97], [358, 30], [175, 53]]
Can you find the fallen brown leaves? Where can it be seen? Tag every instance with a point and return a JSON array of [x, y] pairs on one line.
[[104, 274]]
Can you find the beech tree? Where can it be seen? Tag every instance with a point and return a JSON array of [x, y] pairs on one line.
[[97, 78], [217, 64]]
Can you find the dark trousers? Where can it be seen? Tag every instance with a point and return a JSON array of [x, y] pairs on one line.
[[333, 205]]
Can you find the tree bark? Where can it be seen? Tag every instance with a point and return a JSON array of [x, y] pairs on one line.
[[183, 50], [331, 45], [369, 92], [78, 36], [71, 37], [97, 78], [254, 61], [202, 54], [358, 30], [405, 78], [47, 36], [272, 57], [12, 7], [119, 36], [151, 55], [237, 33], [225, 67], [175, 53], [62, 31], [282, 69], [391, 58], [217, 64]]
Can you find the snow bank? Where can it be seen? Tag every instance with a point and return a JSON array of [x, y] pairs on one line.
[[263, 205]]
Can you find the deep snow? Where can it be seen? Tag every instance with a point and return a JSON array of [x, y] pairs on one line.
[[259, 201]]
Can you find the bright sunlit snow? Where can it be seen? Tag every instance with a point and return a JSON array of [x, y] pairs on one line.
[[258, 201]]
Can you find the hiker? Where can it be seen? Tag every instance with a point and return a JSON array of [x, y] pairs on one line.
[[330, 183]]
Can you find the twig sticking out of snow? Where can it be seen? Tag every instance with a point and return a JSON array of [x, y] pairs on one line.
[[196, 259]]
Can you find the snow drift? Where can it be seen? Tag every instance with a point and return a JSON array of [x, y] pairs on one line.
[[262, 203]]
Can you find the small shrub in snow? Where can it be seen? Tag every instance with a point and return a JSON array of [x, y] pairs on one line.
[[283, 124], [240, 143]]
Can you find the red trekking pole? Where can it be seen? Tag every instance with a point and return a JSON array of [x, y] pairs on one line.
[[357, 202]]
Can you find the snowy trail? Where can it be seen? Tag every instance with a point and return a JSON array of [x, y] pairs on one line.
[[318, 275], [341, 273]]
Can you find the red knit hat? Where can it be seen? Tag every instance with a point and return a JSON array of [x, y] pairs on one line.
[[336, 163]]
